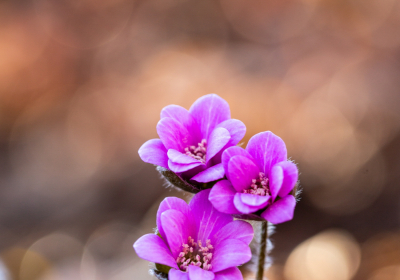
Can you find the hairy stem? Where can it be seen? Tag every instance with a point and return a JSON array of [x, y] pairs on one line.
[[263, 252]]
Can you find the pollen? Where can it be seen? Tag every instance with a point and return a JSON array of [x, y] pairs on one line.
[[194, 253], [259, 186], [198, 152]]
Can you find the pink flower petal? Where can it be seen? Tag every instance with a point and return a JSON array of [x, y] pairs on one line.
[[275, 180], [154, 152], [184, 117], [175, 274], [242, 171], [218, 138], [209, 111], [172, 203], [255, 200], [175, 135], [197, 273], [221, 197], [231, 152], [212, 173], [281, 210], [290, 177], [152, 248], [177, 231], [178, 157], [230, 253], [208, 220], [267, 149], [179, 167], [239, 230], [232, 273], [236, 129], [242, 207]]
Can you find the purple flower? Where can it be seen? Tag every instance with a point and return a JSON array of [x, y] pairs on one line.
[[191, 142], [197, 241], [260, 179]]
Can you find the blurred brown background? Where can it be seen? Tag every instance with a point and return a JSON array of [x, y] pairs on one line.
[[82, 83]]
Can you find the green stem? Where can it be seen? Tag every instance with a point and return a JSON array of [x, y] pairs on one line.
[[263, 252]]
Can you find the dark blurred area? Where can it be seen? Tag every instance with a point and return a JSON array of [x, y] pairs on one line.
[[82, 83]]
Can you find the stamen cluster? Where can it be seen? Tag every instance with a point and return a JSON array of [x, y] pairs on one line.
[[195, 254], [259, 186], [198, 152]]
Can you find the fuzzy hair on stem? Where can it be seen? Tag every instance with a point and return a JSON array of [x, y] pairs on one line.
[[158, 274], [262, 238], [173, 180], [256, 245]]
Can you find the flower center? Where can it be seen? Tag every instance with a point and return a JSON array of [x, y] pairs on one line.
[[195, 254], [259, 186], [198, 152]]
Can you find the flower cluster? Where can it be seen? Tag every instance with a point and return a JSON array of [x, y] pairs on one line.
[[197, 152]]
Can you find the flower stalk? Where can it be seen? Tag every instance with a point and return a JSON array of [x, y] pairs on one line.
[[263, 250]]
